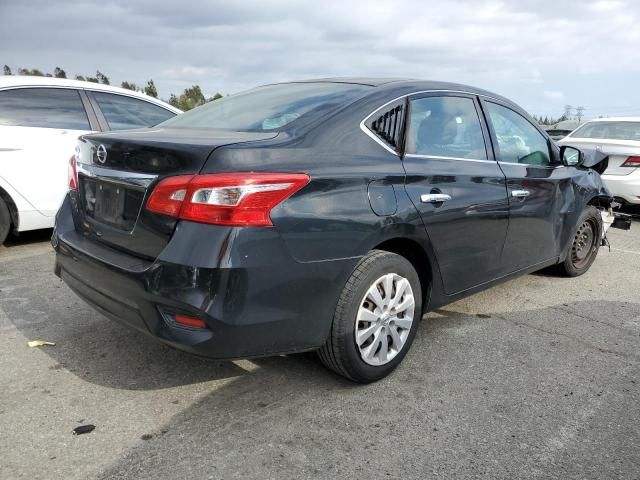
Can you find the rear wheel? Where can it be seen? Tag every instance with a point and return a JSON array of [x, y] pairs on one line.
[[585, 243], [376, 318], [5, 221]]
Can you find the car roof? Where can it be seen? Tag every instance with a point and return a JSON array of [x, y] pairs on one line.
[[616, 119], [11, 81], [406, 86]]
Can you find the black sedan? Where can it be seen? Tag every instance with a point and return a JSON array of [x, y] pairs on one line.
[[322, 215]]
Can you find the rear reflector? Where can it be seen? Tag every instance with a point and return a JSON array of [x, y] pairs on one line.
[[189, 321], [72, 173], [631, 162], [238, 199]]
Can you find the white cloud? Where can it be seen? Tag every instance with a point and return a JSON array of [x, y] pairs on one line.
[[606, 5], [518, 48], [553, 95]]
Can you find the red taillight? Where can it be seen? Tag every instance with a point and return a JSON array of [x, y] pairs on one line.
[[72, 173], [239, 199], [631, 162], [167, 197], [190, 321]]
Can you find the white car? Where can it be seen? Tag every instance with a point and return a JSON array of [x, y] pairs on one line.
[[620, 139], [40, 121]]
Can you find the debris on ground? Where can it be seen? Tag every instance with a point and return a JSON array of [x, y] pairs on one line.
[[40, 343], [83, 429]]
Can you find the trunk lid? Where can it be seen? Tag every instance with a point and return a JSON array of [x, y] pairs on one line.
[[117, 171], [618, 152]]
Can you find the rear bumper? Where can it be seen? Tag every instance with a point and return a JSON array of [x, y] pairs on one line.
[[626, 187], [254, 297]]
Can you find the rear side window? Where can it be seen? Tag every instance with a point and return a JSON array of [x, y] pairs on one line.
[[518, 140], [122, 112], [609, 130], [445, 127], [43, 107], [271, 107]]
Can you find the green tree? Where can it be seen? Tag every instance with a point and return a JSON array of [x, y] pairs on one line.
[[102, 78], [7, 70], [215, 97], [191, 97], [150, 89], [81, 78], [173, 101], [34, 72], [59, 73], [130, 86]]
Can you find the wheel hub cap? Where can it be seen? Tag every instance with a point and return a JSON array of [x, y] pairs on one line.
[[384, 319]]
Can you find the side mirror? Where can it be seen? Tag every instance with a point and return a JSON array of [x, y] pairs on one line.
[[571, 156]]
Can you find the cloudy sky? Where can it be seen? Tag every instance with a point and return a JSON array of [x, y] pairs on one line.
[[542, 54]]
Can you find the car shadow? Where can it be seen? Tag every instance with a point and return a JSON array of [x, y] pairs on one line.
[[26, 238], [468, 377]]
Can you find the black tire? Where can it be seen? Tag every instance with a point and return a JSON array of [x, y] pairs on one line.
[[585, 243], [340, 353], [5, 221]]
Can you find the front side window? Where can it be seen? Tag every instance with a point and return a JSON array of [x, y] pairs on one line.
[[270, 107], [122, 112], [518, 140], [609, 130], [445, 127], [43, 107]]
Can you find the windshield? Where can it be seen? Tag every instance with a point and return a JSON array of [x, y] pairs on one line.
[[609, 130], [270, 107]]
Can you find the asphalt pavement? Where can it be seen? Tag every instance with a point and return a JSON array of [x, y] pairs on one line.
[[536, 378]]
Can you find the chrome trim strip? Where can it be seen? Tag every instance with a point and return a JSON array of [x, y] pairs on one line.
[[528, 165], [366, 130], [415, 155], [138, 181]]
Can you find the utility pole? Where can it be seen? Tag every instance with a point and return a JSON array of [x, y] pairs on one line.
[[580, 113], [567, 112]]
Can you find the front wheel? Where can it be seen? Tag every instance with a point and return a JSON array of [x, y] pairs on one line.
[[376, 318], [585, 243]]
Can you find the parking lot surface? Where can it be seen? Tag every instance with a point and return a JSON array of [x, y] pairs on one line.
[[536, 378]]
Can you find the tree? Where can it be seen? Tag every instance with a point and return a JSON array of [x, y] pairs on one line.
[[150, 89], [102, 78], [7, 70], [191, 97], [129, 86], [173, 101], [59, 73], [215, 97], [34, 72]]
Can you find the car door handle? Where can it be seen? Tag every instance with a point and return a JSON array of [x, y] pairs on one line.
[[434, 197], [520, 193]]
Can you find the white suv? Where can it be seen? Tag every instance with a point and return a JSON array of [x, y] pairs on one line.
[[40, 120]]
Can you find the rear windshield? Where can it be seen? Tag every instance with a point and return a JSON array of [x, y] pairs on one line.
[[270, 107], [609, 130]]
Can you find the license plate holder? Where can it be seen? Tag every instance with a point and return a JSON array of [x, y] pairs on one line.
[[110, 200]]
